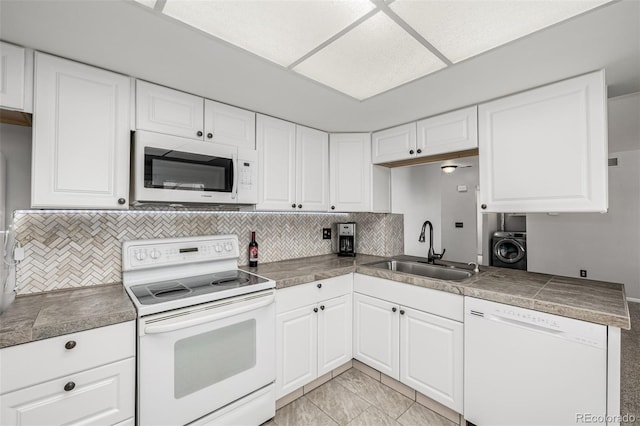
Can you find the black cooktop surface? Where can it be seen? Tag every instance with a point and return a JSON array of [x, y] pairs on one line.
[[164, 291]]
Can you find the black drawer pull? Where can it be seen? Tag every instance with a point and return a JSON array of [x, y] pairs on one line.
[[319, 285], [315, 309], [69, 386], [70, 344], [394, 309], [401, 311], [322, 307]]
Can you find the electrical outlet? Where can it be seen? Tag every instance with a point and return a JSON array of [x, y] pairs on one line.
[[583, 273], [326, 233]]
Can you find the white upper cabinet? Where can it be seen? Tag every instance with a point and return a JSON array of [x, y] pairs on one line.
[[229, 125], [294, 166], [397, 143], [163, 110], [16, 77], [350, 172], [355, 184], [276, 144], [451, 132], [80, 136], [312, 169], [545, 150]]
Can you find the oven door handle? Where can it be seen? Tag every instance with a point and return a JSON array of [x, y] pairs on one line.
[[213, 316]]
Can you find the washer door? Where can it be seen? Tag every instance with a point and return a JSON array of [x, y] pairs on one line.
[[509, 250]]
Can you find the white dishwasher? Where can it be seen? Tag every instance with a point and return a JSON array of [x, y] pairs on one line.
[[529, 368]]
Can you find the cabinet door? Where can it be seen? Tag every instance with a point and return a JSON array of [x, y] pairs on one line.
[[297, 349], [451, 132], [80, 136], [229, 125], [12, 67], [312, 169], [350, 172], [431, 356], [276, 143], [397, 143], [163, 110], [376, 334], [103, 395], [545, 150], [334, 333]]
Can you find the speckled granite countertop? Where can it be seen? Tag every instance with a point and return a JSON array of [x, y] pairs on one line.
[[51, 314], [594, 301]]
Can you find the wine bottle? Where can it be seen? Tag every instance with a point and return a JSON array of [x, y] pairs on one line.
[[253, 250]]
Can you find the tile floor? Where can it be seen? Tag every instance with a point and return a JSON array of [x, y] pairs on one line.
[[355, 399]]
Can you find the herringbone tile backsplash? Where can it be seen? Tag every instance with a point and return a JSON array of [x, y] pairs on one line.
[[65, 250]]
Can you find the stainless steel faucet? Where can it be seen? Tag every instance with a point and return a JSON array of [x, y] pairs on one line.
[[431, 256]]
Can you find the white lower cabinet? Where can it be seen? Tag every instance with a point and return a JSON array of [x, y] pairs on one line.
[[83, 378], [313, 331], [376, 334], [403, 334], [431, 351]]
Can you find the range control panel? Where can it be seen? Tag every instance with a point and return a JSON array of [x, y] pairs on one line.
[[166, 252]]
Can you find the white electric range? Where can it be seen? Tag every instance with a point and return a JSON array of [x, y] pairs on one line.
[[206, 332]]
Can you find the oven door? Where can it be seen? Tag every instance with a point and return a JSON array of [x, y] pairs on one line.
[[195, 360], [174, 170]]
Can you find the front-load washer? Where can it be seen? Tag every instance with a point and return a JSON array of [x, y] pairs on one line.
[[509, 250]]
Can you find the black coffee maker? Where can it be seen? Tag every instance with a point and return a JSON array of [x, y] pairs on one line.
[[347, 239]]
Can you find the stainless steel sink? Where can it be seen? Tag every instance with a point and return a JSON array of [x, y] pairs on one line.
[[423, 269]]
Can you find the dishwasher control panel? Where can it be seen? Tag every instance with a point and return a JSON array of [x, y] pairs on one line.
[[562, 327]]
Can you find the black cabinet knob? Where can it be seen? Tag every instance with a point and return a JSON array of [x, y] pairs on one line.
[[299, 206], [411, 152], [293, 205], [69, 386], [484, 206], [199, 133], [319, 285], [401, 311], [419, 151], [333, 207], [121, 201], [209, 135], [394, 309], [70, 344], [315, 309]]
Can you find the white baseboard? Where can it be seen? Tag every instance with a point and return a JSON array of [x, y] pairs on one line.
[[633, 299]]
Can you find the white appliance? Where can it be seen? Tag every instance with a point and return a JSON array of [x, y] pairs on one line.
[[170, 169], [524, 367], [206, 333]]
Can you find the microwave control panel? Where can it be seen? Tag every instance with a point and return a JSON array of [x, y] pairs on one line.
[[247, 176]]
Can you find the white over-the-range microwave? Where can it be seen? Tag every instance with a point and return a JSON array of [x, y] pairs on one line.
[[170, 169]]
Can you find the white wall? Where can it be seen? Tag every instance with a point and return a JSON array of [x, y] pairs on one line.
[[415, 192], [460, 207], [606, 245], [15, 144]]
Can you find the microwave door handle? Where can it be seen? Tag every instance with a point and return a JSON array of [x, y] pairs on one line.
[[214, 316], [234, 170]]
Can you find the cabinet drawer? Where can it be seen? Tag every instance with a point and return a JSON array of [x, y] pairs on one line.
[[36, 362], [441, 303], [100, 396], [313, 292]]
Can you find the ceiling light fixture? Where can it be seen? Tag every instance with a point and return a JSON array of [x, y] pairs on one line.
[[449, 168]]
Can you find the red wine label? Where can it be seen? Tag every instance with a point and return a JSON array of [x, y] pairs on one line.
[[253, 253]]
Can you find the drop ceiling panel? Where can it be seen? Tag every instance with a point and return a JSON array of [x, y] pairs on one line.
[[462, 29], [376, 56], [281, 31]]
